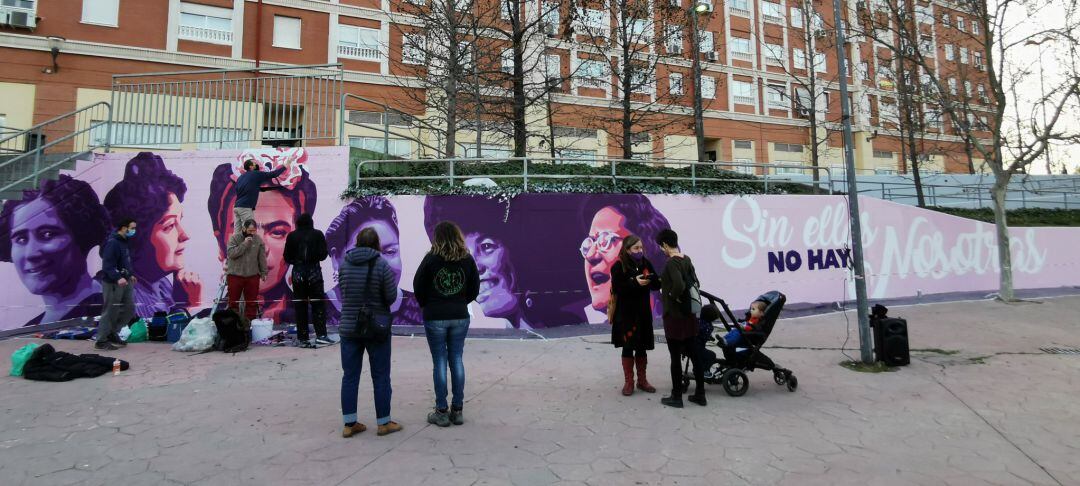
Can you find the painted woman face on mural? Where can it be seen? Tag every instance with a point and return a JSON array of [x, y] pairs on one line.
[[388, 238], [44, 252], [275, 214], [496, 298], [168, 238], [600, 250]]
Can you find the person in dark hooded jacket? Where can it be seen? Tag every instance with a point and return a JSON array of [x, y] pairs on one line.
[[305, 248], [366, 280]]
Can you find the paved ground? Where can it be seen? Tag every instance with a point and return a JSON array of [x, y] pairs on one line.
[[998, 411]]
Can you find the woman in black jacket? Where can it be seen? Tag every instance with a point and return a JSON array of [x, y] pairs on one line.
[[366, 281], [446, 282], [305, 249], [633, 279]]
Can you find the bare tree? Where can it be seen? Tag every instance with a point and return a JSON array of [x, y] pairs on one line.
[[1019, 126], [626, 41]]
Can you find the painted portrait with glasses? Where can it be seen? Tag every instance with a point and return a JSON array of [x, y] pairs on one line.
[[606, 220]]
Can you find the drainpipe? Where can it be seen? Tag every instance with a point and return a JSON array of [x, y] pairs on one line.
[[258, 33]]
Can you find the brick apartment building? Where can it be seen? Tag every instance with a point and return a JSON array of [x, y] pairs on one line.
[[749, 50]]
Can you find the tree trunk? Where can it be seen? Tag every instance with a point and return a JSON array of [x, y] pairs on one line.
[[521, 139], [627, 113], [998, 191], [451, 120], [914, 158], [815, 155]]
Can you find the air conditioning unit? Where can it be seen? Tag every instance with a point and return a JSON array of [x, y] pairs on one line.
[[712, 56], [674, 49], [18, 18], [980, 67]]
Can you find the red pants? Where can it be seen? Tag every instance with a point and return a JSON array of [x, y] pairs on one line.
[[248, 287]]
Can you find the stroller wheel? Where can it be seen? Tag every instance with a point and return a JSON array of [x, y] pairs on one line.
[[735, 382], [792, 383], [779, 378]]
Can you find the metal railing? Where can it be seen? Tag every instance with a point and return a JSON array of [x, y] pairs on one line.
[[451, 175], [1064, 193], [47, 146], [224, 108]]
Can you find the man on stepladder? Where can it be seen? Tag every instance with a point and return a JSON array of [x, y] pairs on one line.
[[245, 265], [248, 186]]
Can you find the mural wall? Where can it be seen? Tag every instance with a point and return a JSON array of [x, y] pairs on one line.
[[544, 259]]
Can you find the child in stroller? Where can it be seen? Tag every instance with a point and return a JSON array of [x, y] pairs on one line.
[[742, 343]]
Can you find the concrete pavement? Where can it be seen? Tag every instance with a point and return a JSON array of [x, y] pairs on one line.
[[991, 409]]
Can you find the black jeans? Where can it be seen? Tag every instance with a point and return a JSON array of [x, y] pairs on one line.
[[691, 349], [309, 292]]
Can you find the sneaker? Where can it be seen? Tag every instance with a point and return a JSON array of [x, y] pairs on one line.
[[305, 344], [672, 401], [324, 341], [105, 346], [388, 428], [440, 418], [698, 399], [117, 341], [351, 430], [457, 417]]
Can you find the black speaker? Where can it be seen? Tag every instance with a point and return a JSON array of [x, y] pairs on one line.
[[890, 341]]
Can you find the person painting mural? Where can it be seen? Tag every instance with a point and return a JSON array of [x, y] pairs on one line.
[[248, 187]]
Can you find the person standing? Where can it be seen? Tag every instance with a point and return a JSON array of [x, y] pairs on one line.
[[116, 286], [248, 186], [680, 323], [244, 267], [633, 279], [445, 283], [305, 248], [367, 284]]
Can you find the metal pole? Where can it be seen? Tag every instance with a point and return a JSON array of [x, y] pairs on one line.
[[866, 353], [386, 132], [341, 120], [699, 123], [525, 174]]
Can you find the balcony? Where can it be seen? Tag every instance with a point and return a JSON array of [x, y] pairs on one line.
[[742, 56], [203, 34], [363, 53], [738, 10], [772, 19], [745, 100], [591, 82]]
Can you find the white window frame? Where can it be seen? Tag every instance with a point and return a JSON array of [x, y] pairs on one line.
[[210, 138], [796, 17], [776, 97], [706, 42], [548, 74], [961, 24], [821, 62], [204, 33], [676, 86], [129, 134], [950, 52], [365, 49], [798, 58], [952, 86], [747, 55], [596, 22], [399, 147], [774, 55], [974, 27], [641, 30], [772, 12], [282, 43], [740, 8], [743, 93], [105, 13], [963, 55], [413, 48], [584, 78], [708, 87], [507, 61]]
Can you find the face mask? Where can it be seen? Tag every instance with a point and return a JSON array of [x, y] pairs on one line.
[[637, 256], [130, 233]]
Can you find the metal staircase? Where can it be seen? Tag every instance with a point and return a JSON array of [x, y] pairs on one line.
[[39, 153]]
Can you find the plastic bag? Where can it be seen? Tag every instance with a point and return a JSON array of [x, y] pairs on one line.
[[125, 333], [20, 357], [261, 329], [199, 335], [138, 332]]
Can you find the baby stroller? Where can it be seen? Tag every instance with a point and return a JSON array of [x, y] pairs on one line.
[[730, 371]]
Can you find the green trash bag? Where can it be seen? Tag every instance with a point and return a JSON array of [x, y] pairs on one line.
[[20, 357], [138, 332]]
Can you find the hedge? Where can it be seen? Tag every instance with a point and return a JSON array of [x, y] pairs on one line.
[[1020, 217]]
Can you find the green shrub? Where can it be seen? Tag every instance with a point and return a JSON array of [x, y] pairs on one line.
[[1020, 217]]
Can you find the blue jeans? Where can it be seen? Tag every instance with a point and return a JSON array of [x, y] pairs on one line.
[[352, 362], [734, 339], [447, 342]]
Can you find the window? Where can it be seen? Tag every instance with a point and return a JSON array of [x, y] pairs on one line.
[[744, 144], [882, 154], [776, 96], [788, 147], [673, 39], [740, 49], [963, 55], [926, 46], [772, 12], [981, 90], [126, 134], [952, 86], [974, 27], [641, 31], [592, 22], [745, 166], [960, 24], [570, 156], [774, 54], [506, 10], [641, 79], [890, 112], [967, 88], [592, 73], [796, 17], [675, 84], [977, 57], [706, 43], [359, 43], [923, 14], [286, 32], [864, 70], [932, 117], [739, 7], [222, 138], [743, 93], [983, 122], [413, 47], [552, 67], [203, 23], [100, 12], [946, 20], [950, 54], [398, 147], [551, 18], [507, 61], [820, 65], [708, 87], [488, 152], [376, 118], [799, 58]]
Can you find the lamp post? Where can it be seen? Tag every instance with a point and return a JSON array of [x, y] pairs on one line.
[[701, 7], [853, 194], [55, 44]]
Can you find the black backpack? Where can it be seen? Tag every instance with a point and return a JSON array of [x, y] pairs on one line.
[[232, 337]]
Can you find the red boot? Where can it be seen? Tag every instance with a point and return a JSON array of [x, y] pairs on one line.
[[642, 382], [628, 376]]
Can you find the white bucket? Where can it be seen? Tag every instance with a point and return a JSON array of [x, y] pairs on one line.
[[261, 329]]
